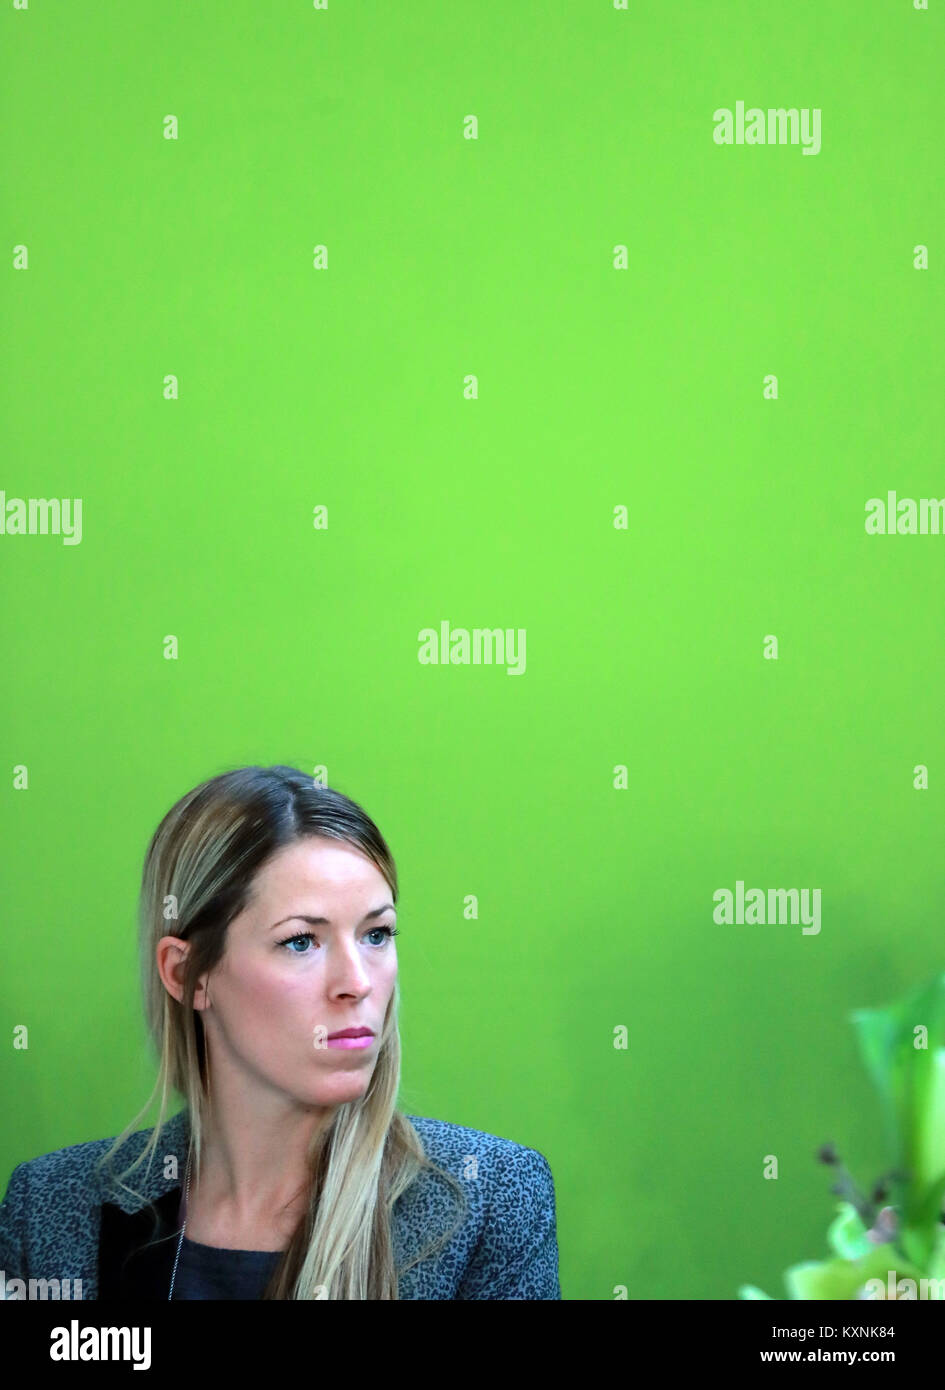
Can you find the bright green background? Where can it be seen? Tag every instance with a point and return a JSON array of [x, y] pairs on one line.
[[344, 387]]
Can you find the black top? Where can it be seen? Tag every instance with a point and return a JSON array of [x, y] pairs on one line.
[[203, 1271]]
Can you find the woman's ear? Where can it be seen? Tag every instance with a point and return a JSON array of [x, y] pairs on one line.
[[171, 956]]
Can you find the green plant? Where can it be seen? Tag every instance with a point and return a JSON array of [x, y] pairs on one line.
[[896, 1233]]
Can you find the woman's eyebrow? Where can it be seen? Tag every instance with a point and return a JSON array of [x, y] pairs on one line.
[[326, 921]]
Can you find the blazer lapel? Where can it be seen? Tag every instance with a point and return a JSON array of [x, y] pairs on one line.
[[136, 1250], [137, 1239]]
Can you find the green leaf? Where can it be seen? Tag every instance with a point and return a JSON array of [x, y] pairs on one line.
[[936, 1264], [846, 1235], [911, 1084], [844, 1279]]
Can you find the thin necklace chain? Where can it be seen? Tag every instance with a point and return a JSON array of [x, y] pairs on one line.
[[170, 1292]]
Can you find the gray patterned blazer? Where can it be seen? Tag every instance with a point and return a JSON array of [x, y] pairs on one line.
[[61, 1221]]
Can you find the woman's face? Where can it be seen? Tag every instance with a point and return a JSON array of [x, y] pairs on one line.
[[309, 956]]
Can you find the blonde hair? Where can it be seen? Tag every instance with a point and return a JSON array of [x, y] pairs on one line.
[[203, 858]]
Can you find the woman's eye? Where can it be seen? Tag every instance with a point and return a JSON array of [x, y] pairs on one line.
[[386, 933], [294, 940]]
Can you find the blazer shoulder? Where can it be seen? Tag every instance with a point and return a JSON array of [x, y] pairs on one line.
[[454, 1145], [516, 1253], [48, 1213], [447, 1134], [75, 1164]]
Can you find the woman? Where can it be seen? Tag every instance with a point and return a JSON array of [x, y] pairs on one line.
[[269, 966]]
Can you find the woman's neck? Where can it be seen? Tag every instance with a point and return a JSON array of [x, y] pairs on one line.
[[253, 1185]]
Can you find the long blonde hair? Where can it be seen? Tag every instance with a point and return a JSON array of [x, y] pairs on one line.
[[197, 875]]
